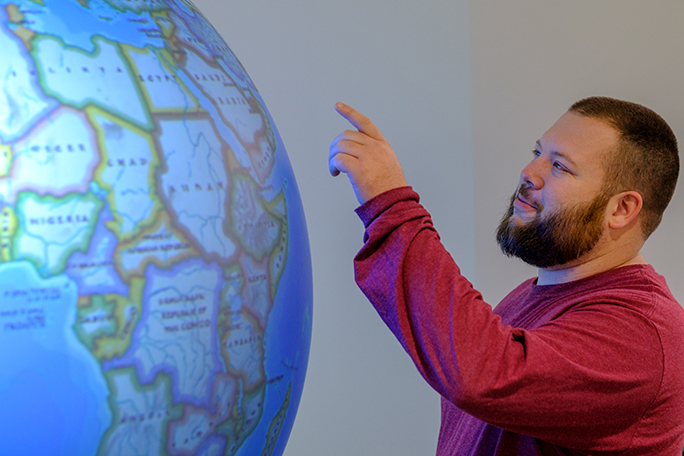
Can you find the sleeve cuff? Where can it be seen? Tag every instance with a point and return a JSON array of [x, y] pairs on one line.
[[375, 206]]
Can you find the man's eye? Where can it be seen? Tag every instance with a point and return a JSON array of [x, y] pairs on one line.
[[558, 166], [536, 153]]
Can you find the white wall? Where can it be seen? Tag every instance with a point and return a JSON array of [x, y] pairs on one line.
[[406, 65]]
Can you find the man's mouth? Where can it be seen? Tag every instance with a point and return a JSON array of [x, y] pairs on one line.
[[524, 201]]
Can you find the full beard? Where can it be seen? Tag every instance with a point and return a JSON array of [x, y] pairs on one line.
[[555, 239]]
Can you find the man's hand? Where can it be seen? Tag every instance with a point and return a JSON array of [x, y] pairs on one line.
[[365, 156]]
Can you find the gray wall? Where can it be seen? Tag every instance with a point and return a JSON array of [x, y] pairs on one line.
[[531, 60], [462, 90]]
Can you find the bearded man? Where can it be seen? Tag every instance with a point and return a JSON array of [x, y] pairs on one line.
[[585, 359]]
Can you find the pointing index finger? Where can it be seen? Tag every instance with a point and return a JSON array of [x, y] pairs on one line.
[[359, 121]]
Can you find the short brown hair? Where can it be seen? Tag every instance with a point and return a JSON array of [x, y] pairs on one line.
[[646, 159]]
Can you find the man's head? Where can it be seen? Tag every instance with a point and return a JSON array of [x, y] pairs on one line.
[[602, 150], [645, 159]]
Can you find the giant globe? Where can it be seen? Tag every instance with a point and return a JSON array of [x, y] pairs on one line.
[[155, 275]]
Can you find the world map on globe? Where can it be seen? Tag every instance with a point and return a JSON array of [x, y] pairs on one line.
[[155, 275]]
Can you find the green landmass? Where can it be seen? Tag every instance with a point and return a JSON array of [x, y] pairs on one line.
[[236, 430], [8, 227], [105, 326], [90, 62], [137, 6], [255, 227], [277, 425], [37, 238], [141, 414]]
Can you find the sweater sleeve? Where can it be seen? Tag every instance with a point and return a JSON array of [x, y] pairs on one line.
[[551, 382]]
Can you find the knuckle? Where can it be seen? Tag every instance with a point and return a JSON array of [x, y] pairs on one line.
[[349, 134]]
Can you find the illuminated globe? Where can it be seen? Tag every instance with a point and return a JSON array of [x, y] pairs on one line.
[[155, 275]]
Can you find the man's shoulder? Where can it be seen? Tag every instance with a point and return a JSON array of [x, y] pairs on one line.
[[638, 287], [634, 288]]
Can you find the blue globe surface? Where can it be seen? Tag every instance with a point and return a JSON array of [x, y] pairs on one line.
[[155, 274]]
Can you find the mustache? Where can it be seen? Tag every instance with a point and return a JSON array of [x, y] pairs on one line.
[[523, 193]]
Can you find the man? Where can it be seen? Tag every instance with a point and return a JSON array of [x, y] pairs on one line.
[[586, 359]]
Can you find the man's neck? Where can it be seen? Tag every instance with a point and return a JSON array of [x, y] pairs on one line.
[[588, 267]]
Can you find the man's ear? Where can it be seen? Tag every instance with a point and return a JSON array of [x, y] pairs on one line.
[[625, 207]]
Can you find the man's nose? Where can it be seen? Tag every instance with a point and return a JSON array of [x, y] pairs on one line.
[[533, 174]]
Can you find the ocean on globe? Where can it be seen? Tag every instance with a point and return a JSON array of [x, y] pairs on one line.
[[155, 273]]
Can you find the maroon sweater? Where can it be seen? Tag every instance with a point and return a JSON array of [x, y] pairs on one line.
[[591, 367]]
